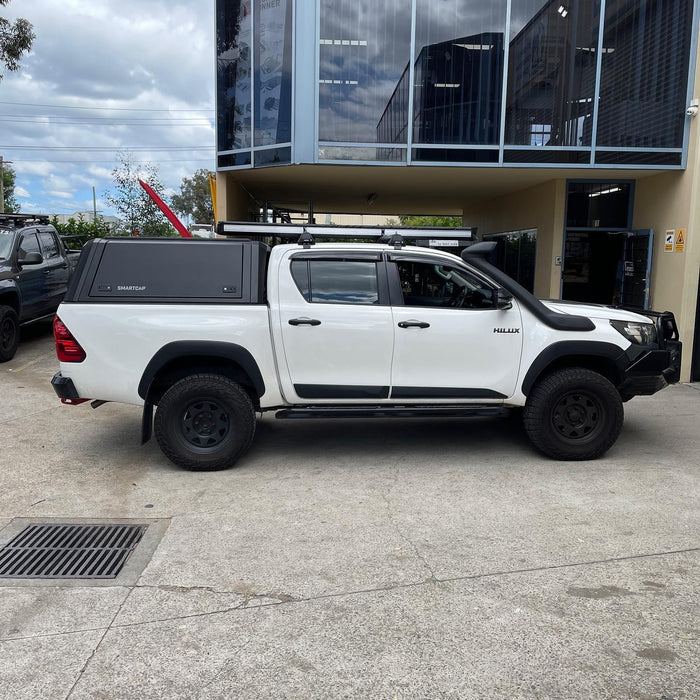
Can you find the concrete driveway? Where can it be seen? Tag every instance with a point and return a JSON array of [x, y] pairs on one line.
[[358, 559]]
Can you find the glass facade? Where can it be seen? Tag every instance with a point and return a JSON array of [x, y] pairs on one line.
[[548, 83], [254, 81]]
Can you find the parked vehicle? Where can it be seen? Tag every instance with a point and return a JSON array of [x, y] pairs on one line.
[[213, 331], [35, 268]]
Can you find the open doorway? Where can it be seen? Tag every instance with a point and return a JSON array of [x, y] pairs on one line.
[[604, 261], [607, 267]]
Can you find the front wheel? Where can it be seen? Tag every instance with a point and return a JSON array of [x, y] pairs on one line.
[[9, 333], [573, 414], [204, 422]]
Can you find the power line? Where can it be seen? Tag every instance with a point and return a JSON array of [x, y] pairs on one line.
[[108, 109], [154, 122], [92, 162], [101, 120]]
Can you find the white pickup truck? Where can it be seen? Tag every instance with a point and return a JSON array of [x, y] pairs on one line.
[[212, 331]]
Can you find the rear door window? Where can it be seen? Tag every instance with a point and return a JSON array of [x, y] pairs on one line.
[[337, 281]]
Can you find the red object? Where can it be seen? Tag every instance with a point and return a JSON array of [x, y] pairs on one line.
[[181, 229], [67, 347]]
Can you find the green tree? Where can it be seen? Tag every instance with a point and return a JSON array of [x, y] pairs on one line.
[[437, 221], [83, 228], [8, 189], [138, 211], [15, 39], [194, 200]]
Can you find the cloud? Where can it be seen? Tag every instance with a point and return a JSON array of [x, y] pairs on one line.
[[21, 193], [101, 66]]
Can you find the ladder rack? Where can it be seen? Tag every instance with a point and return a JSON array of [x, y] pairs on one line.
[[306, 234]]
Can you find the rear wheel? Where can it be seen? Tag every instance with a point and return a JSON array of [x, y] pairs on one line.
[[573, 414], [204, 422], [9, 333]]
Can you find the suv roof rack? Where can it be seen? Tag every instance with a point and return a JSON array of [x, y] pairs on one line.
[[306, 234], [17, 220]]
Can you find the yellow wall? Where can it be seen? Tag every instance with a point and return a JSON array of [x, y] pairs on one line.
[[541, 208], [232, 202]]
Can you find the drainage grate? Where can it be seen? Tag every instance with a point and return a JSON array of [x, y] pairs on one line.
[[69, 551]]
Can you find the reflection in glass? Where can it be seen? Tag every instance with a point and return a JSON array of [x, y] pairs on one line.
[[551, 72], [515, 255], [364, 49], [644, 73], [273, 156], [233, 47], [458, 73], [343, 282], [362, 153], [273, 72]]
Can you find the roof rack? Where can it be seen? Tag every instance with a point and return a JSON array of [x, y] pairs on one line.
[[306, 234], [18, 220]]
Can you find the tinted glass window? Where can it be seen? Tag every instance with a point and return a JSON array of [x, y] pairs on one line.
[[300, 273], [428, 284], [273, 72], [233, 65], [551, 72], [337, 281], [644, 73], [458, 71], [48, 244], [365, 49], [29, 244]]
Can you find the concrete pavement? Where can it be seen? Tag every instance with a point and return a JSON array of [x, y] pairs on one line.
[[361, 559]]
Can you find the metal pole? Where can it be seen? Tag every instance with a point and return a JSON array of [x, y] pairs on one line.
[[2, 187], [94, 205]]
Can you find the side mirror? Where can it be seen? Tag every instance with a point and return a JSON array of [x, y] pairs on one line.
[[30, 259], [504, 300]]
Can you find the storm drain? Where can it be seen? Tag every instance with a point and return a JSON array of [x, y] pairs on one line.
[[67, 551]]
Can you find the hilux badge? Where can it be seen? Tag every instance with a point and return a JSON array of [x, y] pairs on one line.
[[506, 330]]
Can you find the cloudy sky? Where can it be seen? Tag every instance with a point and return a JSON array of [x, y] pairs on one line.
[[102, 76]]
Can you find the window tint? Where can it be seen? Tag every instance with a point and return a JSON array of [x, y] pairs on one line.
[[428, 284], [337, 281], [48, 244], [29, 244], [300, 273]]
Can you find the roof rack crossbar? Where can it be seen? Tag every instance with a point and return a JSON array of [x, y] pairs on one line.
[[24, 219]]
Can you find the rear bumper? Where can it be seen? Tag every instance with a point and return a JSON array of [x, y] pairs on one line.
[[64, 387]]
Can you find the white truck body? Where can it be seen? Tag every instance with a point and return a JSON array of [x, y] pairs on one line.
[[382, 350]]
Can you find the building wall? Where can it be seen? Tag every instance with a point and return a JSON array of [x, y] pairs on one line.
[[541, 208], [672, 201]]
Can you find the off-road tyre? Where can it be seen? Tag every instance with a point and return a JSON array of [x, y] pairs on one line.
[[573, 414], [9, 333], [204, 422]]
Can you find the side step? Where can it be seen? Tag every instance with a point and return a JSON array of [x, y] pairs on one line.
[[445, 411]]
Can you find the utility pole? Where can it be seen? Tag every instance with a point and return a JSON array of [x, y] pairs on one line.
[[2, 184], [94, 206]]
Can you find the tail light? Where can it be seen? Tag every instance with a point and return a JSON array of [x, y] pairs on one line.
[[67, 347]]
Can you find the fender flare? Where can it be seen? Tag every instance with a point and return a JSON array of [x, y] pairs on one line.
[[201, 348], [9, 290], [564, 348]]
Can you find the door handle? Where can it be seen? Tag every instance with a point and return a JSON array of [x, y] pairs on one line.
[[413, 324], [304, 322]]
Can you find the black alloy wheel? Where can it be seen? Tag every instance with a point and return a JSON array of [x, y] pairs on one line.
[[578, 416], [205, 423]]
